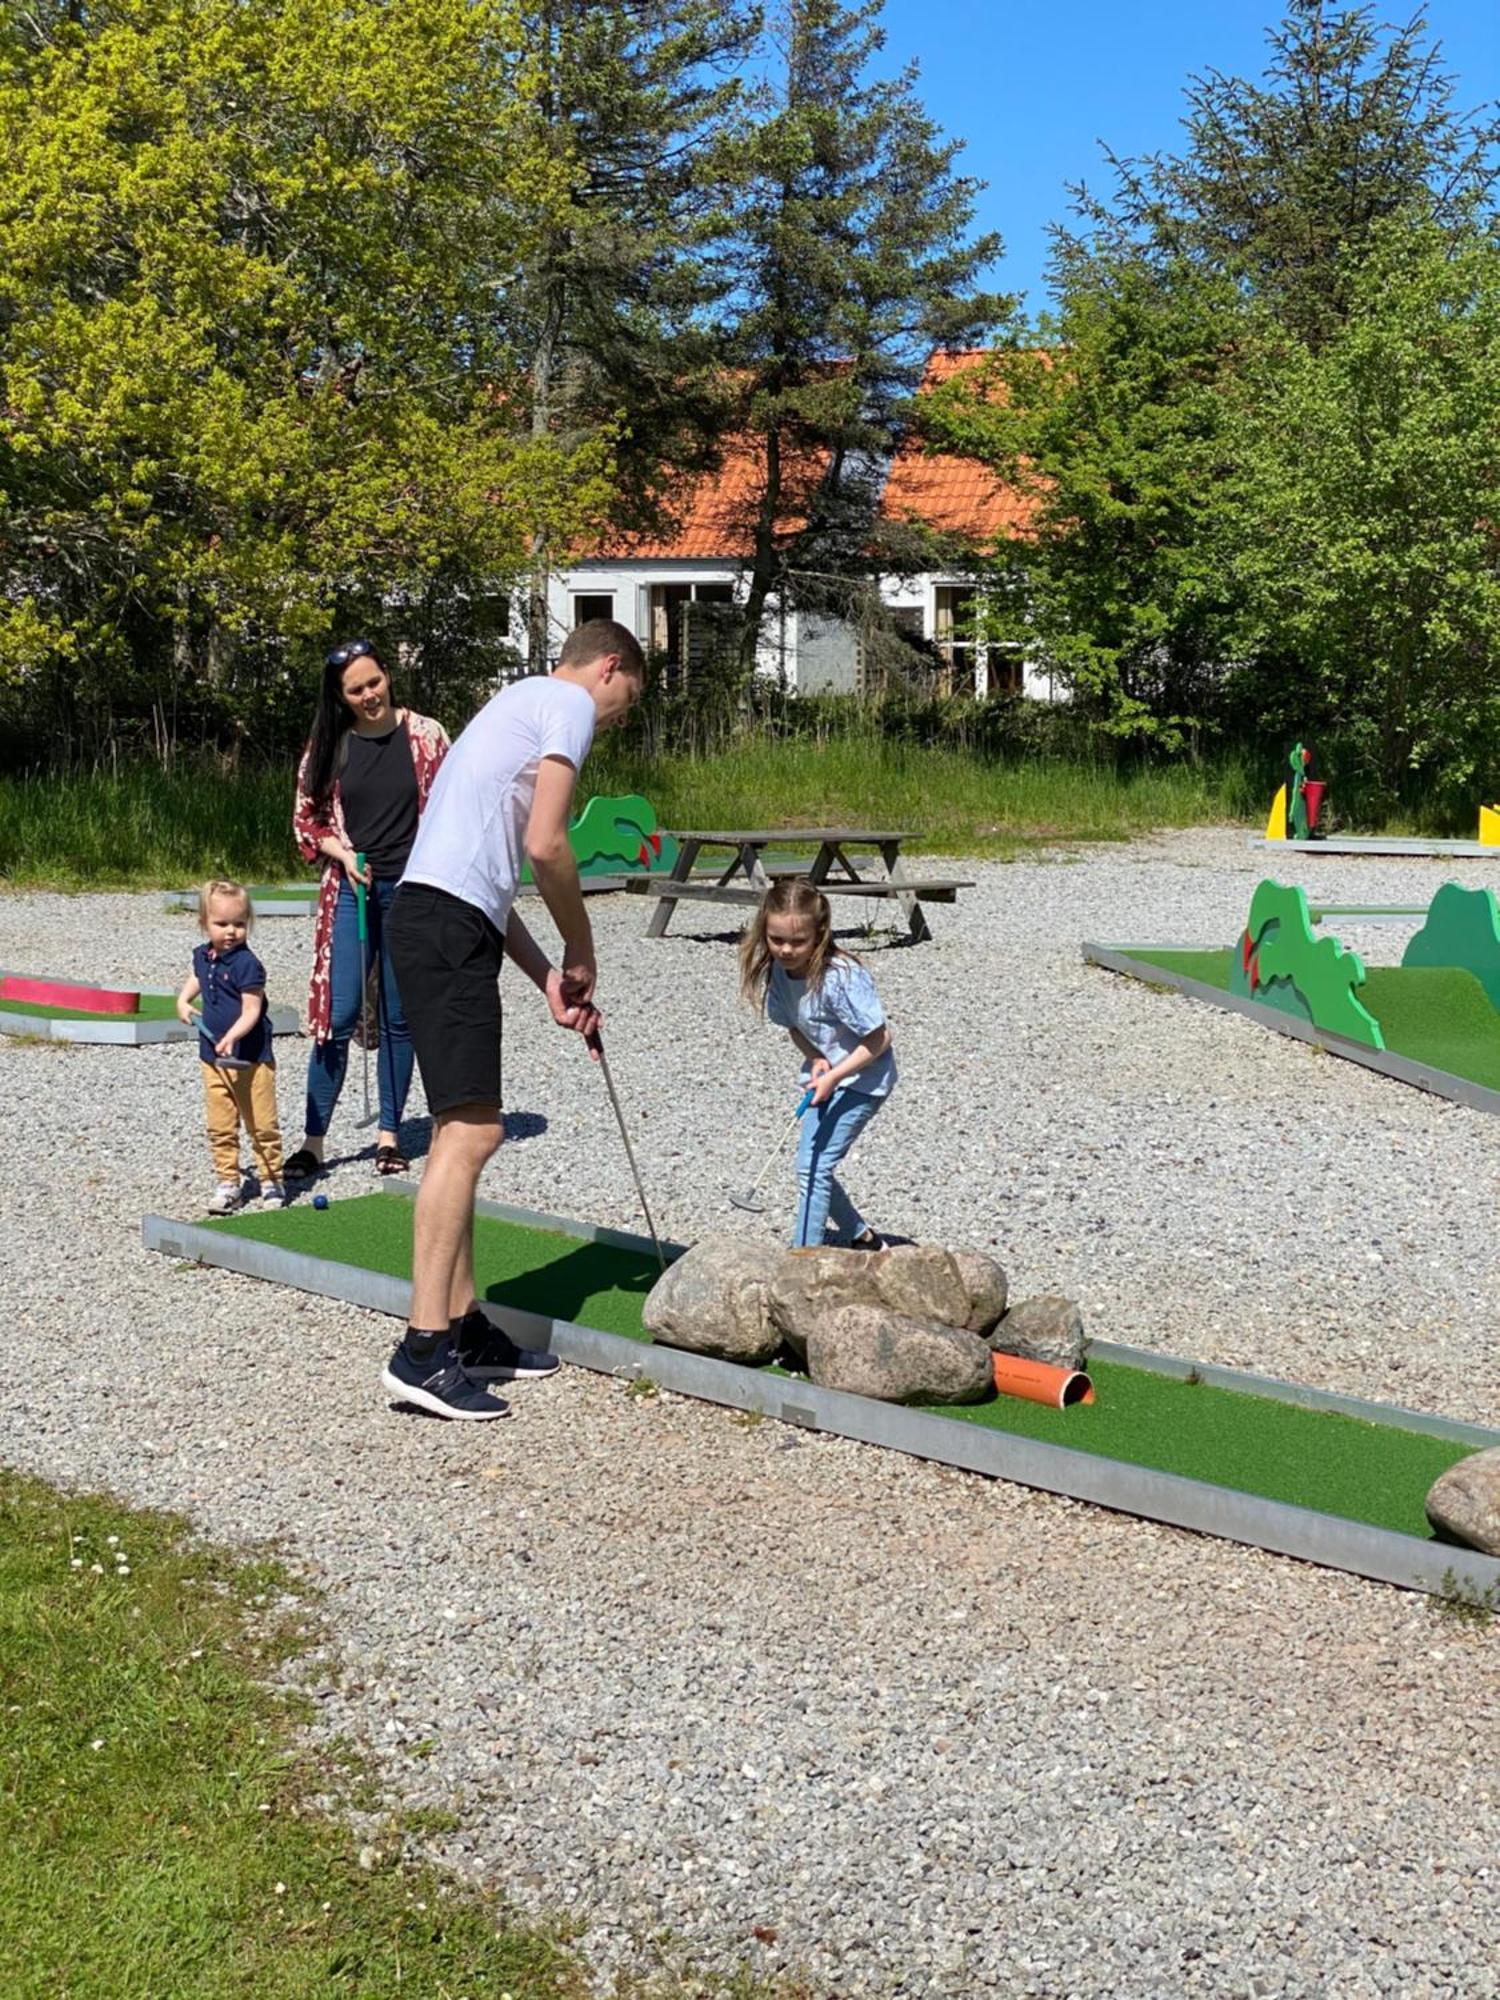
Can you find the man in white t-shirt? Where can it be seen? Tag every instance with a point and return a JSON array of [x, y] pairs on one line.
[[503, 797]]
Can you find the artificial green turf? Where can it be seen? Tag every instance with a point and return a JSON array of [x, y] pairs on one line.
[[532, 1269], [153, 1007], [1376, 1473], [1433, 1014]]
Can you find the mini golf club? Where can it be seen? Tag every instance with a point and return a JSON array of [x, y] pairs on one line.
[[368, 1120], [596, 1044], [750, 1198]]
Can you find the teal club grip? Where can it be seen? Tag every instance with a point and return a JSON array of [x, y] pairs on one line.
[[806, 1100], [359, 897]]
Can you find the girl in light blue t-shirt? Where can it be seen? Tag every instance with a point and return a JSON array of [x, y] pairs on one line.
[[825, 999]]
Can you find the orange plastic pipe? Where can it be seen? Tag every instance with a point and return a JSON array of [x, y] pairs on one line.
[[1039, 1382], [58, 993]]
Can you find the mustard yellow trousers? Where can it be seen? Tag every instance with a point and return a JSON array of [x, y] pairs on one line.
[[235, 1097]]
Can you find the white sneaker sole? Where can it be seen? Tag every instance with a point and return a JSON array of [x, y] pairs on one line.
[[404, 1392]]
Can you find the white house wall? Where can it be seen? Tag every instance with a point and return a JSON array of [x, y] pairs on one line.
[[830, 652]]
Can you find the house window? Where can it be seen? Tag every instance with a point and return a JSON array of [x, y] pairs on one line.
[[592, 604], [971, 664], [672, 620]]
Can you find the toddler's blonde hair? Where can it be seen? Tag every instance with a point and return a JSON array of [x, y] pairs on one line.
[[223, 888]]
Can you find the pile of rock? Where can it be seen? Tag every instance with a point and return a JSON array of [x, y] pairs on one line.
[[912, 1324]]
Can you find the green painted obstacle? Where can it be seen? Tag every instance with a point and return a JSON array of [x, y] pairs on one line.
[[1283, 963], [1373, 1473], [1439, 1008], [618, 836]]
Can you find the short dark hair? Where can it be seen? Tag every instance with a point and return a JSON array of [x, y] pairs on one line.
[[597, 636]]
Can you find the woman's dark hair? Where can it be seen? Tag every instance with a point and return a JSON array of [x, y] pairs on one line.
[[333, 716]]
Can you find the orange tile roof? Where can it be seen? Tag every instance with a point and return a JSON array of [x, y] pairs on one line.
[[955, 496], [714, 518]]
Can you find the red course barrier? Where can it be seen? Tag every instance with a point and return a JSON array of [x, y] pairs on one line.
[[58, 993]]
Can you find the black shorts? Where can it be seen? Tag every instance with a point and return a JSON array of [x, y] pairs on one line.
[[447, 956]]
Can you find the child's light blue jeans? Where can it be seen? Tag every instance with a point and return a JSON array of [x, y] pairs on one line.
[[827, 1134]]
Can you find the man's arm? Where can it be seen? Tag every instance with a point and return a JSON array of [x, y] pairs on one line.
[[550, 853], [523, 951]]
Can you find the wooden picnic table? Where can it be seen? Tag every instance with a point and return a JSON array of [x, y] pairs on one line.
[[830, 867]]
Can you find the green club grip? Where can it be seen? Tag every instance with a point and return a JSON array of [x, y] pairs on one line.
[[359, 897]]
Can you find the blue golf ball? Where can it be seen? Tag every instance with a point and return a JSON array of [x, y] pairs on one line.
[[320, 1201]]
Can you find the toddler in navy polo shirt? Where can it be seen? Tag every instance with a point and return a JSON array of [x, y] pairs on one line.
[[234, 1045]]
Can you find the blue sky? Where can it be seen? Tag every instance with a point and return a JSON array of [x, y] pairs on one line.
[[1033, 88]]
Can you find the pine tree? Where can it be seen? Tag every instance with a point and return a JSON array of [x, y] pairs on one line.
[[853, 262], [1285, 179], [632, 101]]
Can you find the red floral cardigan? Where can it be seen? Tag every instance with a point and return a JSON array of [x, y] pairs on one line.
[[310, 824]]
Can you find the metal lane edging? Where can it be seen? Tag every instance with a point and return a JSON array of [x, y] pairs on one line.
[[1377, 1553], [1428, 850], [110, 1029], [1401, 1069]]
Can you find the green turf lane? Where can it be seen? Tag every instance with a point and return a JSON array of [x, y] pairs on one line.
[[1432, 1014], [1376, 1473]]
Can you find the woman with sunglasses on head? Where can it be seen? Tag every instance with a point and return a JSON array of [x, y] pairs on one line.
[[362, 785]]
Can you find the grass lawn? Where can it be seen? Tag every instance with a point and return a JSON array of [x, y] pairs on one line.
[[158, 1834], [1376, 1473], [162, 1833]]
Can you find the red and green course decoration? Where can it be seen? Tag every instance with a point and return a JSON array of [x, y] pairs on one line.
[[1462, 929], [1282, 962], [619, 836], [1297, 804], [73, 998]]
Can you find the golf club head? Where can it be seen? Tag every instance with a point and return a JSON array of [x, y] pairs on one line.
[[750, 1201]]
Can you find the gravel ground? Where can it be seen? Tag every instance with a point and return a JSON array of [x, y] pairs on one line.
[[719, 1689]]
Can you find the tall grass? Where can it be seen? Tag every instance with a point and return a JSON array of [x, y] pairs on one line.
[[146, 827], [156, 828], [957, 803]]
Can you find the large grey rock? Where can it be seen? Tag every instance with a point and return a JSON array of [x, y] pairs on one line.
[[1465, 1501], [987, 1286], [872, 1351], [810, 1284], [1047, 1329], [716, 1300], [918, 1280]]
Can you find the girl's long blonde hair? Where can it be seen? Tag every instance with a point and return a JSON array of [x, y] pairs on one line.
[[793, 896]]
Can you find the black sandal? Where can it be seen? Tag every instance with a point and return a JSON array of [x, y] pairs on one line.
[[391, 1160], [302, 1166]]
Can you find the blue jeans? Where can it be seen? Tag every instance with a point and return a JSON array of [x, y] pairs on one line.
[[827, 1135], [393, 1059]]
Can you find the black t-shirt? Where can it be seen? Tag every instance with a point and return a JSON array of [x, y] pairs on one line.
[[378, 789]]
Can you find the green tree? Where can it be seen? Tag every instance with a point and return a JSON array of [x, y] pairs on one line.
[[1181, 296], [1361, 521], [1284, 179], [632, 105], [853, 261], [254, 368]]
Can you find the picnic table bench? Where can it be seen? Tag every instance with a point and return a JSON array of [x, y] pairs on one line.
[[830, 867]]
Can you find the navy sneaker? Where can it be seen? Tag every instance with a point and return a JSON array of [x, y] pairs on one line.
[[440, 1383], [492, 1356]]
